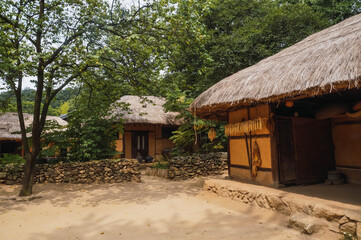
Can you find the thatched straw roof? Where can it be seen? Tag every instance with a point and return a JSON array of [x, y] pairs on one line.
[[327, 61], [10, 126], [145, 110]]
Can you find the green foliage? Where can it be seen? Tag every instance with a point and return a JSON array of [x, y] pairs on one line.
[[11, 158], [333, 10], [60, 104], [192, 135], [211, 40], [346, 236], [91, 131], [55, 140], [64, 108], [161, 165], [92, 138]]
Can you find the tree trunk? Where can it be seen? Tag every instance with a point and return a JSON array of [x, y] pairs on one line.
[[27, 185]]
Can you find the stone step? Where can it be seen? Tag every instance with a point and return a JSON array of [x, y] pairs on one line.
[[306, 224]]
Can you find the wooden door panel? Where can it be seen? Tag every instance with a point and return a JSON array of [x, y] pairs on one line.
[[314, 149], [287, 162], [140, 144]]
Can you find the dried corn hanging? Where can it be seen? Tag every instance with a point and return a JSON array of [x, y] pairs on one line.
[[212, 134], [243, 127]]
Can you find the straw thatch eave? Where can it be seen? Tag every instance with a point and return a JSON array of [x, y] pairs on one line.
[[10, 126], [324, 62], [144, 110]]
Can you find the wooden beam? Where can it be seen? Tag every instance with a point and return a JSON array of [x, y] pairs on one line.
[[253, 136], [247, 167]]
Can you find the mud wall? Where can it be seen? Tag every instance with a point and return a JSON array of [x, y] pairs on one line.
[[239, 166], [347, 142]]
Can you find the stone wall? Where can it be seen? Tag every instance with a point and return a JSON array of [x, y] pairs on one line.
[[196, 165], [102, 171]]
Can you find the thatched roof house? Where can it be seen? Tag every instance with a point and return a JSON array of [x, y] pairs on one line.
[[296, 115], [147, 126], [324, 62], [10, 126], [10, 136], [146, 110]]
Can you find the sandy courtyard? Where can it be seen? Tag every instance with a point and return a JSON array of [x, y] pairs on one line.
[[153, 209]]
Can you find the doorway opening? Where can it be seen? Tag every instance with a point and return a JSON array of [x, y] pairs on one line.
[[140, 144], [314, 136]]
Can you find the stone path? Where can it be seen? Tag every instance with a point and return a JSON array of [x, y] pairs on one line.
[[153, 209]]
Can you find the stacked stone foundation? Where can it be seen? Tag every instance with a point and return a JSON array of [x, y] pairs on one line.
[[102, 171]]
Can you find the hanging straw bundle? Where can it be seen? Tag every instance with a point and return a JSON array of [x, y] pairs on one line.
[[243, 127], [212, 134]]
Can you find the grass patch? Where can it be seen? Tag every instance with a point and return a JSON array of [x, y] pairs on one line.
[[161, 165]]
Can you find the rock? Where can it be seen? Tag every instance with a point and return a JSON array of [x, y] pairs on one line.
[[349, 227], [358, 230], [75, 172], [276, 203], [328, 215], [305, 223], [10, 182], [343, 220], [41, 179], [260, 202], [82, 180]]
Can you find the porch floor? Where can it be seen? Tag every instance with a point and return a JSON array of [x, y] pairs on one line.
[[349, 193]]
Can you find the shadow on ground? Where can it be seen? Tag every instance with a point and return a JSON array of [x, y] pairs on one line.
[[151, 189], [213, 225]]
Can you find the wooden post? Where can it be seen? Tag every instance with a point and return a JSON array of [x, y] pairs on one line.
[[22, 150], [274, 148], [155, 142], [229, 151]]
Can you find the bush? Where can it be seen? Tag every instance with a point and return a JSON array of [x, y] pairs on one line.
[[161, 165], [11, 158]]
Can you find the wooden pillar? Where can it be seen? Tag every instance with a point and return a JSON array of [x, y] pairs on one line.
[[229, 151], [155, 143], [22, 150], [274, 147]]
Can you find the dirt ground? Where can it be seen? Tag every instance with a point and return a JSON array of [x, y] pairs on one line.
[[153, 209]]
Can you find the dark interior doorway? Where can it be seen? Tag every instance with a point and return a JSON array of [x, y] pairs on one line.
[[306, 151], [286, 149], [10, 147], [140, 144]]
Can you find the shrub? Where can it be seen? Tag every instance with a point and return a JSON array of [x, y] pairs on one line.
[[161, 165], [11, 158]]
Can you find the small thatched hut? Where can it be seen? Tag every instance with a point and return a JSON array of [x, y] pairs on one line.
[[10, 136], [147, 126], [295, 115]]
